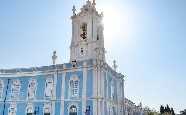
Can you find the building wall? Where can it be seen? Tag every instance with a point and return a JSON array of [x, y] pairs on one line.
[[94, 92]]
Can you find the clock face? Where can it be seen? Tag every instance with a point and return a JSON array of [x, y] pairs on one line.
[[83, 34]]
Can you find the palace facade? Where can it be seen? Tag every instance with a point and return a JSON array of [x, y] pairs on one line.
[[86, 85]]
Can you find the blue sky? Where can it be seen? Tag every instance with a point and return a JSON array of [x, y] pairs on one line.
[[149, 42]]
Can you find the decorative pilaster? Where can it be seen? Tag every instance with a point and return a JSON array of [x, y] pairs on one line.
[[102, 91], [54, 94], [63, 92], [84, 97], [95, 102]]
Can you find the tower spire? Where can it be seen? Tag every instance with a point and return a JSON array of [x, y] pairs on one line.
[[94, 2], [74, 10]]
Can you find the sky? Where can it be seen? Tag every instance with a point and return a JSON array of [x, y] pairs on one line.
[[147, 38]]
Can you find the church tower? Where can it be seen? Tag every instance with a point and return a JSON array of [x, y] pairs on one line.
[[87, 34]]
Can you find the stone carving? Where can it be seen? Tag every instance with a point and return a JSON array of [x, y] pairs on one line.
[[30, 108], [15, 89], [49, 86], [32, 88], [47, 108], [12, 109]]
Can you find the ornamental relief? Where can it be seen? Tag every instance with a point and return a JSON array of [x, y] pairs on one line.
[[49, 87], [15, 89], [12, 109], [32, 88]]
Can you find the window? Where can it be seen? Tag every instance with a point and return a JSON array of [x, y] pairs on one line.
[[121, 90], [47, 109], [15, 89], [99, 32], [112, 89], [49, 85], [32, 88], [74, 87], [97, 37], [82, 52], [29, 109], [73, 110], [1, 88], [12, 109]]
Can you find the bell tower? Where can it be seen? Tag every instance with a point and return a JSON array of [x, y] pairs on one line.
[[87, 34]]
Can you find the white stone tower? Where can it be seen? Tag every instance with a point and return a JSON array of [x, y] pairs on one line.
[[87, 34]]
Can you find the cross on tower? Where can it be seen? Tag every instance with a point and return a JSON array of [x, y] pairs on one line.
[[114, 65], [54, 57]]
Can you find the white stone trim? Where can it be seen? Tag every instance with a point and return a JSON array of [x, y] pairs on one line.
[[75, 104], [49, 90], [47, 108], [63, 93], [95, 90], [32, 80], [12, 108], [29, 105], [84, 88], [54, 92], [1, 88], [15, 89], [34, 74], [102, 92]]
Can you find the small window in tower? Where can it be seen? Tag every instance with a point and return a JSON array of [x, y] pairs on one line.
[[97, 37], [82, 51]]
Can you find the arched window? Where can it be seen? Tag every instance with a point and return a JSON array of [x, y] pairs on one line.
[[15, 89], [49, 86], [12, 109], [47, 109], [74, 87], [1, 88], [32, 88], [73, 110], [29, 109]]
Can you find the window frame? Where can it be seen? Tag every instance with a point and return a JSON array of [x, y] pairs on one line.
[[74, 86], [34, 88]]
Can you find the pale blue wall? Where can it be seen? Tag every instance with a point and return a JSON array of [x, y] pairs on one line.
[[21, 106]]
